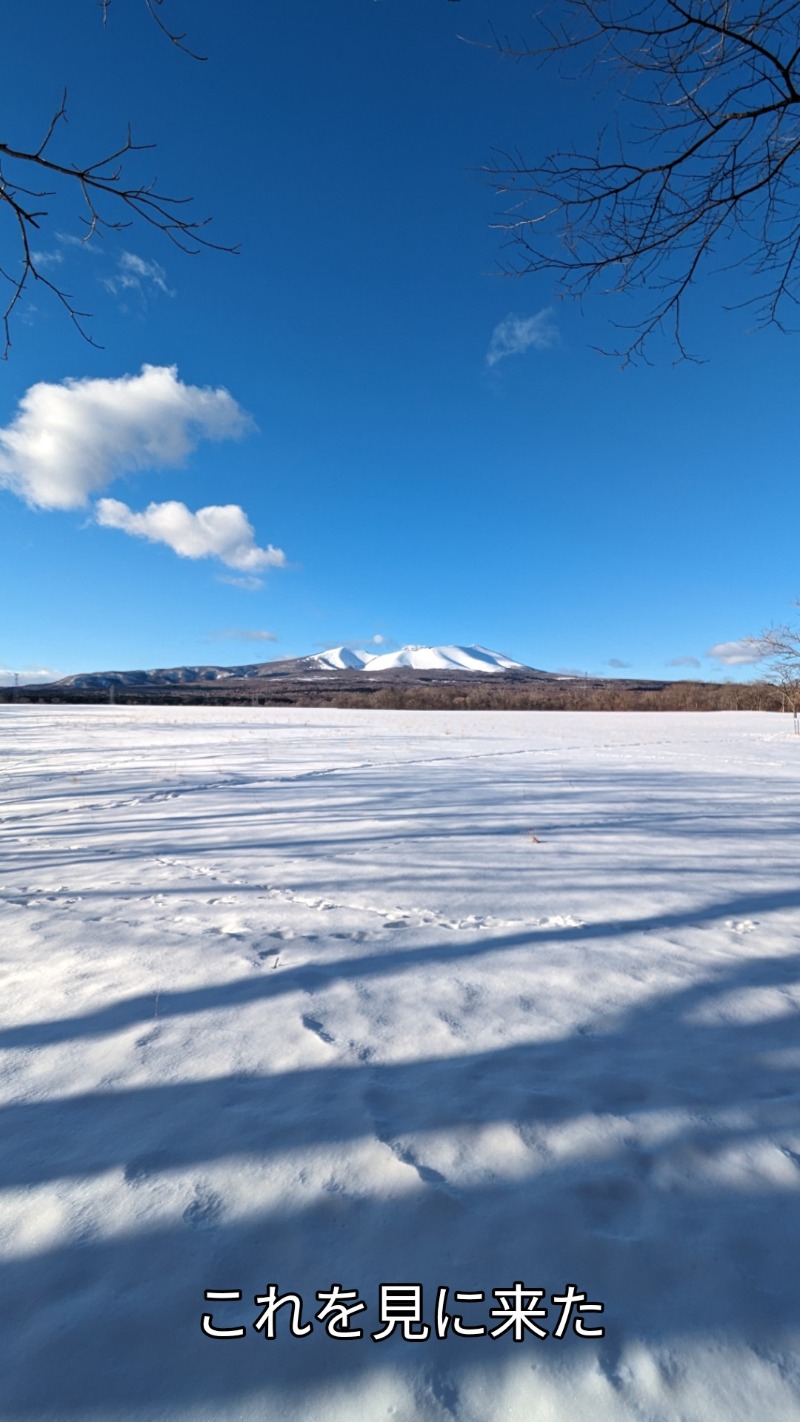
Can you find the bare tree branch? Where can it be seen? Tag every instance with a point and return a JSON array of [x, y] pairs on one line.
[[154, 9], [111, 201], [706, 150]]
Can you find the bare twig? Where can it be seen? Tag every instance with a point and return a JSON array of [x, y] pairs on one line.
[[154, 10]]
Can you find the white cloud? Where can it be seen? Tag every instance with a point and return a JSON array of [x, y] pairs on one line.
[[739, 654], [518, 333], [68, 441], [219, 531], [683, 662], [135, 274], [241, 634]]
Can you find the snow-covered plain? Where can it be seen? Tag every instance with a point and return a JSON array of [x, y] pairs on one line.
[[457, 1000]]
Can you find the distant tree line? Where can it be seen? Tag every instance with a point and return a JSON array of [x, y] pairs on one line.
[[577, 696], [484, 695]]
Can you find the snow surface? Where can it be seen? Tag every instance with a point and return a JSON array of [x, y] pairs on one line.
[[356, 997], [443, 659], [421, 658]]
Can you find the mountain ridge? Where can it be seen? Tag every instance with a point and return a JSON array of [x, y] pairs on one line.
[[449, 658]]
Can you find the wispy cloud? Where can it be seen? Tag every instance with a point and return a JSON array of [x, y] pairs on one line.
[[247, 584], [218, 531], [26, 676], [683, 662], [377, 639], [47, 260], [70, 440], [516, 334], [135, 274], [82, 244], [617, 663], [743, 653], [241, 634]]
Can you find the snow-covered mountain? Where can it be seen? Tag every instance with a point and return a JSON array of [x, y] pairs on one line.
[[339, 659], [474, 659], [163, 676], [450, 658], [336, 659]]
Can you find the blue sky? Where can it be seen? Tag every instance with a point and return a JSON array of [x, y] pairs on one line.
[[411, 446]]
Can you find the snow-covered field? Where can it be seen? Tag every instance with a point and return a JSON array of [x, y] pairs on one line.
[[451, 1000]]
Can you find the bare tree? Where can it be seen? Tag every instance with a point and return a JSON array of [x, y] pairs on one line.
[[701, 147], [782, 644], [110, 199]]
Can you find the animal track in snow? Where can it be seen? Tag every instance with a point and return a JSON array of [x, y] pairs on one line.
[[408, 1156], [195, 871], [312, 1025], [204, 1210], [144, 1042], [455, 1024], [392, 916], [402, 1151], [560, 920]]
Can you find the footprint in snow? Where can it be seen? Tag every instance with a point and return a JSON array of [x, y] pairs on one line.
[[445, 1390], [144, 1167], [407, 1156], [204, 1210], [451, 1022], [312, 1025], [609, 1207], [142, 1043]]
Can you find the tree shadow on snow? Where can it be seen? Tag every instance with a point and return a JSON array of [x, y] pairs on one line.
[[653, 1161]]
